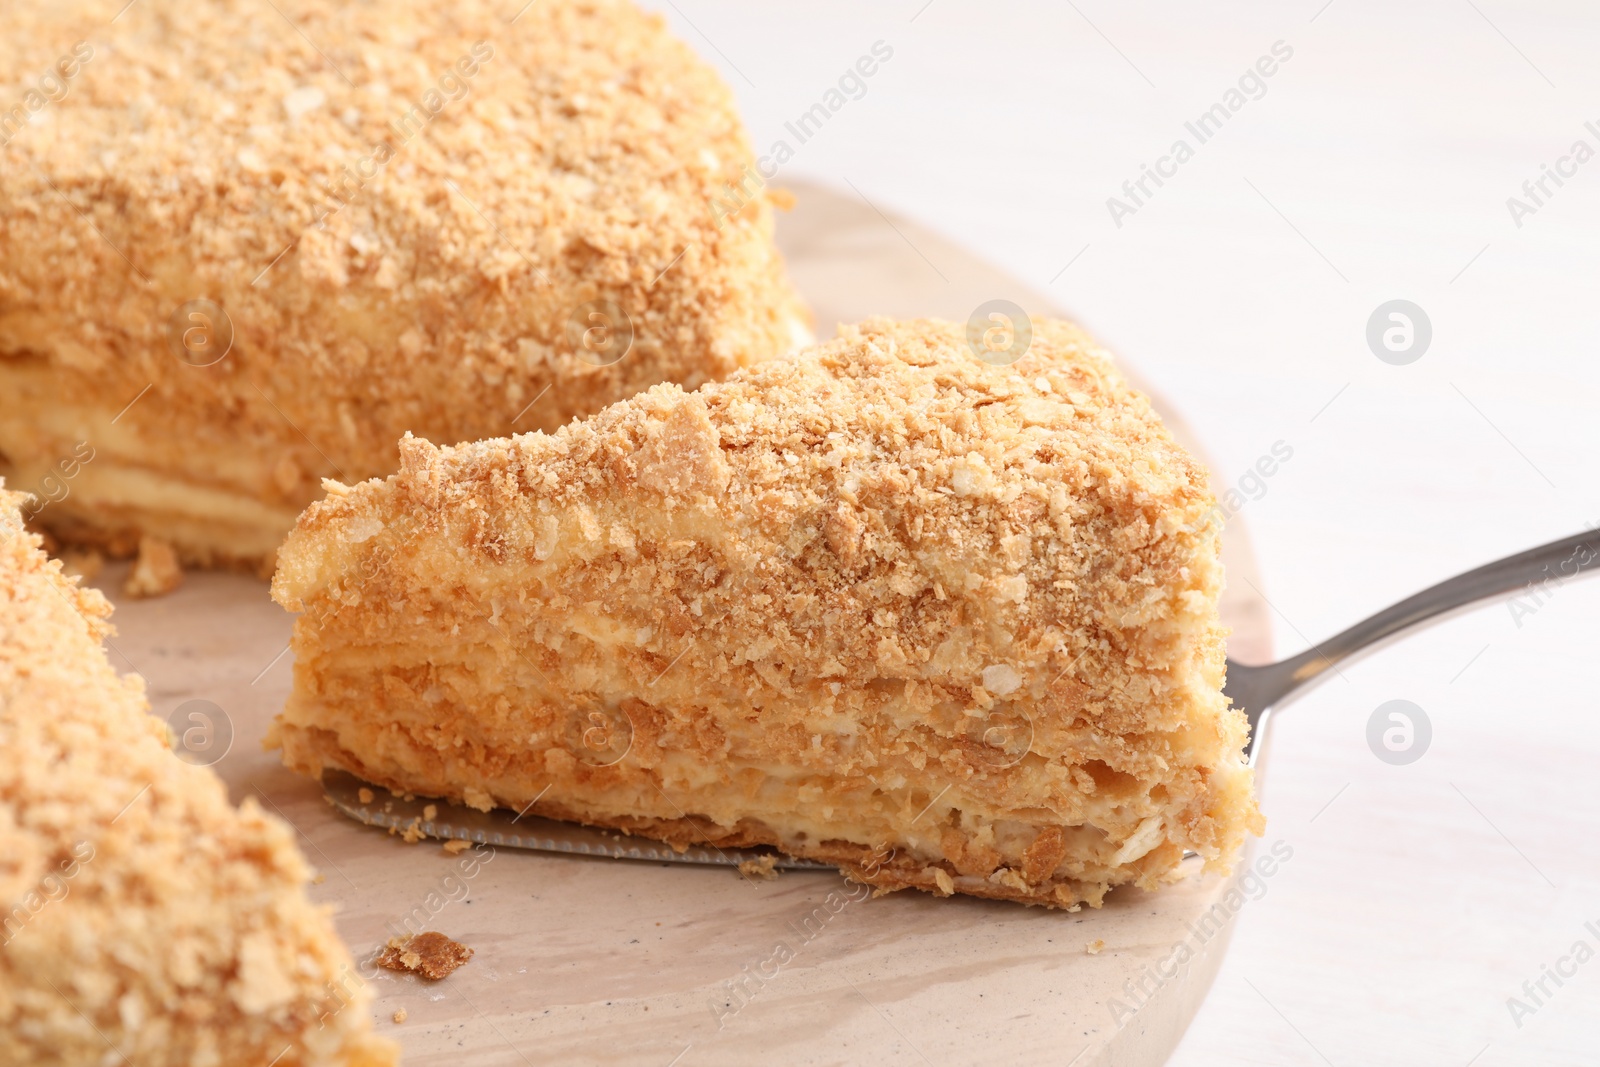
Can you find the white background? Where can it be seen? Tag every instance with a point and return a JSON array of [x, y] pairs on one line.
[[1377, 166]]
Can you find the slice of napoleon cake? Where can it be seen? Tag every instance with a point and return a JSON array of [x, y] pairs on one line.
[[949, 625], [146, 919]]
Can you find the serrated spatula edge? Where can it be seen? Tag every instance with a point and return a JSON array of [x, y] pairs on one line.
[[504, 829]]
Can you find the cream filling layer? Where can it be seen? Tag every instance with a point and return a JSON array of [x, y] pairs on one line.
[[901, 806]]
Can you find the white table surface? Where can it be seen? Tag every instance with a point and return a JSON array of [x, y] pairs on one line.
[[1377, 166]]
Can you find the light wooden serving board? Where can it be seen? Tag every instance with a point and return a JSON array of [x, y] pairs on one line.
[[587, 960]]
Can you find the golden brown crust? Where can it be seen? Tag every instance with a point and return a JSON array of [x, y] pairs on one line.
[[876, 594], [573, 157], [142, 911]]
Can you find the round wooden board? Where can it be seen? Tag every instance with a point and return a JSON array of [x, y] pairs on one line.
[[614, 962]]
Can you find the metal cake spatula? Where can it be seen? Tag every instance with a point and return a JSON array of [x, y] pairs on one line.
[[506, 829], [1257, 690]]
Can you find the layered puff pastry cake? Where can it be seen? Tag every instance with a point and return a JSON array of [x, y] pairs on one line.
[[245, 246], [145, 919], [948, 625]]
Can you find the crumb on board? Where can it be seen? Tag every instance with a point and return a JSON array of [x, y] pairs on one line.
[[1093, 948], [318, 878], [85, 563], [399, 1015], [457, 846], [364, 795], [430, 812], [430, 954], [763, 867], [156, 572]]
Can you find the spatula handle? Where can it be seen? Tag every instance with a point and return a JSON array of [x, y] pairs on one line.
[[1538, 572]]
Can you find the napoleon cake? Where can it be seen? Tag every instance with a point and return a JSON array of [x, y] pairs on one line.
[[948, 625], [146, 920], [245, 245]]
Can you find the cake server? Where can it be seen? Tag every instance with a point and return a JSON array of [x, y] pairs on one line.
[[1257, 690], [1260, 690]]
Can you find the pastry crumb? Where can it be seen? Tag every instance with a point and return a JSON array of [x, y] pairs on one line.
[[364, 795], [1093, 948], [456, 847], [430, 954], [318, 878], [431, 812], [400, 1015], [156, 572], [85, 563], [763, 867]]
